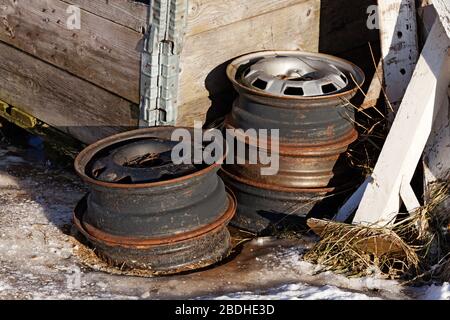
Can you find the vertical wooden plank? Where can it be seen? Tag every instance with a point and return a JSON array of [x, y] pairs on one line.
[[352, 203], [409, 133], [398, 35], [408, 196]]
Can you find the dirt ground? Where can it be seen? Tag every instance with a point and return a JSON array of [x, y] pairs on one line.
[[40, 259]]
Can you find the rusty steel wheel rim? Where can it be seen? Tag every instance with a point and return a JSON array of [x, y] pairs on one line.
[[144, 210], [264, 208], [315, 166], [267, 186], [82, 158], [233, 70], [97, 235], [299, 149], [155, 224], [163, 256], [306, 96], [302, 120]]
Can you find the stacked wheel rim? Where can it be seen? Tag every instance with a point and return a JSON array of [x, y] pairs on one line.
[[306, 96]]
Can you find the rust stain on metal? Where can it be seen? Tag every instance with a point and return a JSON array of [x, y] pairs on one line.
[[129, 242], [301, 166]]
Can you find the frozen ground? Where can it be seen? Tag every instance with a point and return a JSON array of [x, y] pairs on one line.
[[39, 259]]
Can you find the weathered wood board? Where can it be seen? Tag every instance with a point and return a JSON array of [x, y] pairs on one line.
[[206, 54], [66, 102], [101, 51], [203, 15], [437, 151], [131, 14], [399, 49]]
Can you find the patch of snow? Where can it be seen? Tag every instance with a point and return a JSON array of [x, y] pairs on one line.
[[290, 260], [435, 292], [4, 286], [298, 291], [8, 181]]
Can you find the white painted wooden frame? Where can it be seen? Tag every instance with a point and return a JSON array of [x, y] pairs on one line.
[[379, 198]]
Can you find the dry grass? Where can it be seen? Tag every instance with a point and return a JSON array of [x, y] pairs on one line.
[[414, 249], [432, 224], [359, 251]]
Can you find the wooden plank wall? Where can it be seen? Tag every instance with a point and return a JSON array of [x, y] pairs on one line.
[[102, 58], [211, 44], [84, 82], [62, 100], [102, 52]]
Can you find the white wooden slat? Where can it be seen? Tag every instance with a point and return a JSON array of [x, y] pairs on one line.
[[409, 133], [409, 197], [375, 89], [398, 36], [352, 203], [443, 10]]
